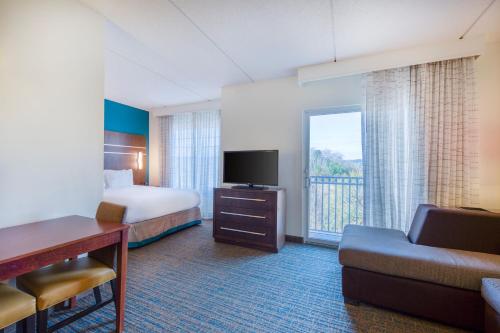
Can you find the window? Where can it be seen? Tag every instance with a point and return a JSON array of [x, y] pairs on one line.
[[190, 148]]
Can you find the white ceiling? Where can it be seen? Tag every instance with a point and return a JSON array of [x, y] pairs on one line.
[[169, 52]]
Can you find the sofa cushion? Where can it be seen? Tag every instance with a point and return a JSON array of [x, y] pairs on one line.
[[389, 252], [418, 222], [454, 228], [490, 290]]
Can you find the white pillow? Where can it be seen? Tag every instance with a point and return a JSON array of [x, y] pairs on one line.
[[118, 178]]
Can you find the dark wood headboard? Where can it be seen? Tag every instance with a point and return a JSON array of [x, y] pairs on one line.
[[122, 151]]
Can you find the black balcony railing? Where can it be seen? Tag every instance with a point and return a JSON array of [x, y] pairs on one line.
[[334, 202]]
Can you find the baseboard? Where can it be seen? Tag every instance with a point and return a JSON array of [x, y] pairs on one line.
[[294, 239]]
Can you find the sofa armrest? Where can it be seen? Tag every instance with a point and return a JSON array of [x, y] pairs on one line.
[[453, 228]]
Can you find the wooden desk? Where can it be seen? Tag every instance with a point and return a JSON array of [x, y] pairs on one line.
[[27, 247]]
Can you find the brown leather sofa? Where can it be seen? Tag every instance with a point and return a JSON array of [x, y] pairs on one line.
[[434, 272]]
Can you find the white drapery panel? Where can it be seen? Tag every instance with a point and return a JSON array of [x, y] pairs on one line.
[[386, 148], [190, 148], [420, 135], [447, 124]]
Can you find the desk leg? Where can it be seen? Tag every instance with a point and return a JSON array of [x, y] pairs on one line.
[[121, 280]]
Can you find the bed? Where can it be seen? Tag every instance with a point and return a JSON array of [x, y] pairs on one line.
[[155, 212], [152, 212]]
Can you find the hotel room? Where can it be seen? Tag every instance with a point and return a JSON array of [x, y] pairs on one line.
[[249, 166]]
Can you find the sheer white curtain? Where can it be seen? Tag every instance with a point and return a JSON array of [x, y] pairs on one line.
[[190, 148], [447, 127], [419, 140], [386, 148]]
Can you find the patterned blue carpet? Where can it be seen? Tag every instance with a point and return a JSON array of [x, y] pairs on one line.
[[188, 283]]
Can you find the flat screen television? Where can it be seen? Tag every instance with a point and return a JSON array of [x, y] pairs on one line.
[[251, 167]]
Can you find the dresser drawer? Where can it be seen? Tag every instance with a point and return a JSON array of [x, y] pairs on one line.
[[245, 231], [245, 199], [244, 215]]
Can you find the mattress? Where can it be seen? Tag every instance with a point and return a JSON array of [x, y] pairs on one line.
[[149, 202]]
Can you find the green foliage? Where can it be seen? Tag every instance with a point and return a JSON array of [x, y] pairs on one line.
[[334, 202], [330, 163]]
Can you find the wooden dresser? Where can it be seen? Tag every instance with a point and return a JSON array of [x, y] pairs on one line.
[[252, 218]]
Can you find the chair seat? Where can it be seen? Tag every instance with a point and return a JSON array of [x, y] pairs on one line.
[[14, 305], [56, 283]]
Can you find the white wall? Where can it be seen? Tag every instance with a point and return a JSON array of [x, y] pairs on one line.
[[191, 107], [488, 94], [51, 110], [268, 115], [454, 49]]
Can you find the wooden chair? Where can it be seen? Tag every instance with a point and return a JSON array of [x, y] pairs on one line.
[[16, 307], [57, 283]]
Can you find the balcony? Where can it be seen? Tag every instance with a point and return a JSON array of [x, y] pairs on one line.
[[334, 202]]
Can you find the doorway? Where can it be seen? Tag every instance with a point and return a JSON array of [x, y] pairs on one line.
[[333, 172]]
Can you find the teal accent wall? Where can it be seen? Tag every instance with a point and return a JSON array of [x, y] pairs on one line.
[[127, 119]]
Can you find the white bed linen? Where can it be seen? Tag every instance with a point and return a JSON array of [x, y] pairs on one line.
[[148, 202]]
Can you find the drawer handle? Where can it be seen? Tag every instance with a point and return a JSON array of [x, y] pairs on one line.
[[245, 215], [238, 198], [243, 231]]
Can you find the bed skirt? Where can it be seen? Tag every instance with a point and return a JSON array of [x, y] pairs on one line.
[[146, 232]]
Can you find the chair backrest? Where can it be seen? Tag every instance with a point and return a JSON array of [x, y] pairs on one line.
[[110, 212], [456, 228]]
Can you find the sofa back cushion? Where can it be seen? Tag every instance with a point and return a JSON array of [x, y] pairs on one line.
[[418, 222], [455, 228]]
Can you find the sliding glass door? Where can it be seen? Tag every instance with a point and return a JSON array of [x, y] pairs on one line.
[[333, 172]]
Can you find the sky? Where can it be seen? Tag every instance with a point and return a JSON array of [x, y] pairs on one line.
[[339, 132]]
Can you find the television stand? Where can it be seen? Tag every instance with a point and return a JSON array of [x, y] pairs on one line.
[[249, 218], [249, 187]]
